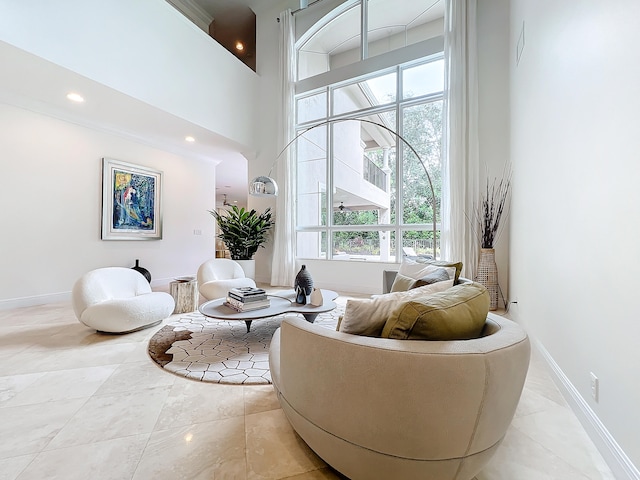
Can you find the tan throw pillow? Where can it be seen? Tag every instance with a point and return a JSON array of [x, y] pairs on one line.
[[368, 316], [456, 314]]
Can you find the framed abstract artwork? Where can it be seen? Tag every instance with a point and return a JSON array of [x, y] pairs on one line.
[[131, 197]]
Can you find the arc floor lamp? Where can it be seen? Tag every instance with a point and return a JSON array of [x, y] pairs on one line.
[[266, 186]]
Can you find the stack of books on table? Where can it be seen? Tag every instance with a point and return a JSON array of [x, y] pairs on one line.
[[246, 299]]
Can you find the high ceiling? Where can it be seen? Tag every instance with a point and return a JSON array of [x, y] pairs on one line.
[[213, 7], [104, 106], [103, 111]]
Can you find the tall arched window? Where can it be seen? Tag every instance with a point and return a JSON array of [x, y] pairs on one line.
[[361, 193]]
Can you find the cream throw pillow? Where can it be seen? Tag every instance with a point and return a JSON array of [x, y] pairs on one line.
[[402, 283], [368, 316]]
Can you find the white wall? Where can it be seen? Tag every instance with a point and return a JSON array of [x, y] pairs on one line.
[[151, 53], [576, 206], [493, 112], [347, 276], [145, 49], [51, 208]]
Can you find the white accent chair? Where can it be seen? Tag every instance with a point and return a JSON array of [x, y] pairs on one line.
[[218, 275], [118, 300]]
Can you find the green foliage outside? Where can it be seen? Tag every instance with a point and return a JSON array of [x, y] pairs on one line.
[[422, 128]]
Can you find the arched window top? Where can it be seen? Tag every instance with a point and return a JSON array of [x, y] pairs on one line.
[[360, 29]]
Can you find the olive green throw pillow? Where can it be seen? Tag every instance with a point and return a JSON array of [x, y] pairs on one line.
[[458, 313], [368, 316]]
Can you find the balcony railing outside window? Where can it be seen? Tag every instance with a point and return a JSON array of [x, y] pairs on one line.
[[374, 174]]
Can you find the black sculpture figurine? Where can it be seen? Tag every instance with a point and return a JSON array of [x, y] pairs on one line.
[[301, 298], [304, 280]]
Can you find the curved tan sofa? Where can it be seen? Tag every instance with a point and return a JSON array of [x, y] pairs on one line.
[[377, 408]]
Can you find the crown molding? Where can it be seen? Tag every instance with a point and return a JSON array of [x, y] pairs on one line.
[[193, 12]]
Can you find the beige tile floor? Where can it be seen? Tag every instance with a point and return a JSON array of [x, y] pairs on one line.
[[77, 405]]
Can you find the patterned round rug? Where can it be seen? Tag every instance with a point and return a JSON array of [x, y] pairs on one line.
[[221, 351]]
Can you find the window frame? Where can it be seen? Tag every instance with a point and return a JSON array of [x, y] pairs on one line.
[[427, 51]]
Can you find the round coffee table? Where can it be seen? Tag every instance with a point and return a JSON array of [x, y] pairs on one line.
[[281, 302]]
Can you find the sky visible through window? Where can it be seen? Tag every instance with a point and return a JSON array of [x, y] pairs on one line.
[[420, 80]]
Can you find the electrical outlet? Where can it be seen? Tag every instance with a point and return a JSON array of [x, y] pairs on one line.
[[595, 387]]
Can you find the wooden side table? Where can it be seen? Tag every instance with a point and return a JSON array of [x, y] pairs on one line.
[[185, 294]]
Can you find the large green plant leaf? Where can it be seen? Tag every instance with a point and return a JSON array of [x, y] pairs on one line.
[[243, 231]]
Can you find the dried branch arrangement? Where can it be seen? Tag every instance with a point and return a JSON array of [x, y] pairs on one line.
[[493, 203]]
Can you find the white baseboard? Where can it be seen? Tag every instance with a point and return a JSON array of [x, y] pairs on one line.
[[35, 300], [620, 464]]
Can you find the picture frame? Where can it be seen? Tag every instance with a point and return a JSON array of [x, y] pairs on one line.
[[131, 201]]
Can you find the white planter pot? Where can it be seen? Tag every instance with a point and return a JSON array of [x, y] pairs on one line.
[[249, 267]]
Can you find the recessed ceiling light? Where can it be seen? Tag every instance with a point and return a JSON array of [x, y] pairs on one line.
[[75, 97], [190, 139], [239, 46]]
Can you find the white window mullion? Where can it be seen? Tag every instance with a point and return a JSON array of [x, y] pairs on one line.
[[333, 114], [364, 29], [329, 195]]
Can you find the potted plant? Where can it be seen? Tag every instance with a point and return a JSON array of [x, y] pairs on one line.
[[243, 232]]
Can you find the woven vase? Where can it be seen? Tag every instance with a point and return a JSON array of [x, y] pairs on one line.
[[488, 275]]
